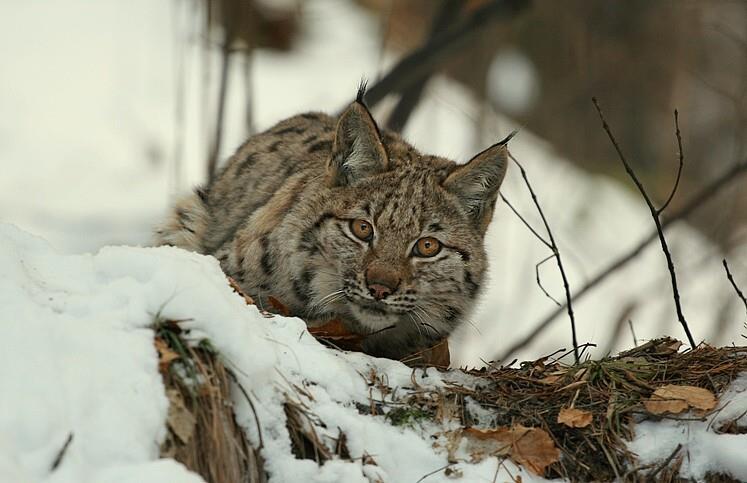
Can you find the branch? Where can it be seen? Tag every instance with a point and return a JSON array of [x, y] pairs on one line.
[[219, 115], [61, 453], [556, 254], [426, 59], [539, 237], [657, 222], [734, 284], [632, 332], [698, 200], [450, 10], [539, 282], [682, 163], [652, 476], [526, 223]]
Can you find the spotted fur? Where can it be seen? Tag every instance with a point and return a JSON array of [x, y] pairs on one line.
[[278, 217]]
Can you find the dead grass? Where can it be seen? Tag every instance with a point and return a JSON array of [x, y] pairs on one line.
[[612, 390], [203, 434], [587, 410]]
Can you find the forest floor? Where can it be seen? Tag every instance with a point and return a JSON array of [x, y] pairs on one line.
[[144, 364]]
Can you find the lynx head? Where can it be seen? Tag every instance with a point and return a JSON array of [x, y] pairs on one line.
[[403, 232]]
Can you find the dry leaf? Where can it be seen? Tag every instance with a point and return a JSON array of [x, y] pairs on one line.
[[336, 334], [235, 286], [532, 448], [180, 420], [675, 399], [166, 355], [671, 346], [551, 379], [574, 418], [278, 307]]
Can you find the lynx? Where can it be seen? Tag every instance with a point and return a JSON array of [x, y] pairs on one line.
[[336, 218]]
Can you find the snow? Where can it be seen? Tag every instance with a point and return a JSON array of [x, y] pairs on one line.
[[704, 449], [77, 357]]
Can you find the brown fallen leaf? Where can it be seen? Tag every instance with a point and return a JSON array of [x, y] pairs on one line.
[[235, 286], [180, 420], [676, 399], [166, 355], [532, 448], [278, 307], [574, 418], [336, 334], [550, 380]]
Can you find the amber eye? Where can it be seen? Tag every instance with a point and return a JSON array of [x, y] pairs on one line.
[[426, 247], [362, 229]]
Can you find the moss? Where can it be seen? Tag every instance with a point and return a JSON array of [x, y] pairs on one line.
[[407, 416]]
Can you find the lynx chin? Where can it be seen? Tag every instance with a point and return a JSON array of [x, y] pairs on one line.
[[339, 219]]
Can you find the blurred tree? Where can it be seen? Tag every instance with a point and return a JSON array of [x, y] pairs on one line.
[[642, 59]]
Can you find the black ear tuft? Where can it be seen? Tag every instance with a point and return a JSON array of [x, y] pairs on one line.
[[507, 138], [359, 97]]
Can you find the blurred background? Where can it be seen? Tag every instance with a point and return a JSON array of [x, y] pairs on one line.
[[111, 108]]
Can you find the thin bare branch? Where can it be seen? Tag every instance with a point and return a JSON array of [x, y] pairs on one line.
[[526, 223], [657, 222], [739, 292], [698, 200], [682, 163], [428, 58], [632, 333], [220, 113], [652, 476], [556, 253], [411, 95], [622, 318], [539, 282], [61, 453]]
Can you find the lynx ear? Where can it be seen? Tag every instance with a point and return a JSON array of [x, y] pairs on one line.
[[357, 151], [476, 183]]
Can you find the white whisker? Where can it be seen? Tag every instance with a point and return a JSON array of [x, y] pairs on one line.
[[415, 323], [325, 301]]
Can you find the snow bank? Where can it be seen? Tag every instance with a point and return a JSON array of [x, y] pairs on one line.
[[77, 357]]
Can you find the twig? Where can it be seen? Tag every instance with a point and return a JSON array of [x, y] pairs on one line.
[[657, 221], [411, 95], [623, 316], [556, 254], [251, 406], [665, 463], [220, 114], [698, 200], [740, 294], [248, 60], [632, 332], [433, 472], [426, 59], [682, 163], [526, 223], [539, 282], [61, 454]]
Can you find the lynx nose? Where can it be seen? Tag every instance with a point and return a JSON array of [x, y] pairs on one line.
[[379, 291], [381, 282]]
